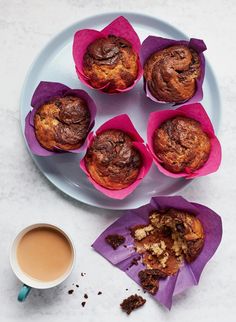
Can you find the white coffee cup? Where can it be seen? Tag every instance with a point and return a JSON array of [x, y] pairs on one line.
[[28, 281]]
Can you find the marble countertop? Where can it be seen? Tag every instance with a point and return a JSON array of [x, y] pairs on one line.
[[27, 197]]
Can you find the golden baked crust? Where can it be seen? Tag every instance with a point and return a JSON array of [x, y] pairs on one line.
[[181, 144], [172, 72], [62, 123], [110, 60], [175, 236], [112, 161]]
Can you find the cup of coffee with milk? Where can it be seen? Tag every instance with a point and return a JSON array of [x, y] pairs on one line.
[[42, 256]]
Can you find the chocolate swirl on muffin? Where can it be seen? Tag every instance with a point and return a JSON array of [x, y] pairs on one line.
[[171, 73], [112, 161], [62, 123], [181, 144], [110, 62]]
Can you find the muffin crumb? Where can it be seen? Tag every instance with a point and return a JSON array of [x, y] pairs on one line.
[[115, 240], [132, 302]]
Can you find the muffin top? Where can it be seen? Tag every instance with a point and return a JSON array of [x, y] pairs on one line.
[[170, 237], [62, 123], [110, 61], [172, 72], [181, 144], [112, 161]]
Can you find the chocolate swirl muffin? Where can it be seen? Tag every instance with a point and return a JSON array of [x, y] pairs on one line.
[[110, 61], [112, 161], [170, 237], [181, 144], [62, 123], [171, 73]]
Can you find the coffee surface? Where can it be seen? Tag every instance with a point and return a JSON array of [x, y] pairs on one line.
[[44, 254]]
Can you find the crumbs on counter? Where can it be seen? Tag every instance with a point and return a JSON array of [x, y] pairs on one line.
[[99, 293], [83, 304], [77, 285], [83, 274], [86, 296], [70, 291]]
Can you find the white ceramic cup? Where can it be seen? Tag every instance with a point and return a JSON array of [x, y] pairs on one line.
[[28, 281]]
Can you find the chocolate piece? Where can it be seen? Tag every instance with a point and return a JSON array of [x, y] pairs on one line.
[[99, 293], [171, 73], [83, 304], [115, 240], [70, 291], [112, 161], [132, 302], [181, 144], [85, 296], [149, 279], [135, 261]]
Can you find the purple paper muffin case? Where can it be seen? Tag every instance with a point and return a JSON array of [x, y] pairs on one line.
[[123, 123], [198, 113], [154, 44], [189, 274], [44, 92], [119, 27]]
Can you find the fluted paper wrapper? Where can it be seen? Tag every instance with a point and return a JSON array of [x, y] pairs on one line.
[[44, 93], [197, 112], [153, 44], [119, 27], [123, 123], [189, 274]]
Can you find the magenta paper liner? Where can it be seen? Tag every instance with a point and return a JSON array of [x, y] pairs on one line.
[[198, 113], [123, 123], [189, 274], [154, 44], [44, 93], [119, 27]]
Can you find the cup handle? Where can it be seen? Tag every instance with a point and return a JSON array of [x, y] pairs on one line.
[[24, 291]]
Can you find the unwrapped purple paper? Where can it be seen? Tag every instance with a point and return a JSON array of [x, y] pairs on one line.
[[189, 274]]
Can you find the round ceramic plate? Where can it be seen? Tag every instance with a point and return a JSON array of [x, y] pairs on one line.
[[55, 63]]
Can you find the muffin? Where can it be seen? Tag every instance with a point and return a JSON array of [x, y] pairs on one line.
[[62, 123], [171, 73], [112, 63], [112, 161], [181, 145], [171, 237]]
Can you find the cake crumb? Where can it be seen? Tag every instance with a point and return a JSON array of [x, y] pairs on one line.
[[132, 302], [143, 232], [99, 293], [85, 296], [115, 240], [70, 291], [83, 304]]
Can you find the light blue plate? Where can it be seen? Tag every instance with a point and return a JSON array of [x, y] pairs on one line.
[[55, 63]]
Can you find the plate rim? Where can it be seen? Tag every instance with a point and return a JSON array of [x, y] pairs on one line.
[[53, 39]]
